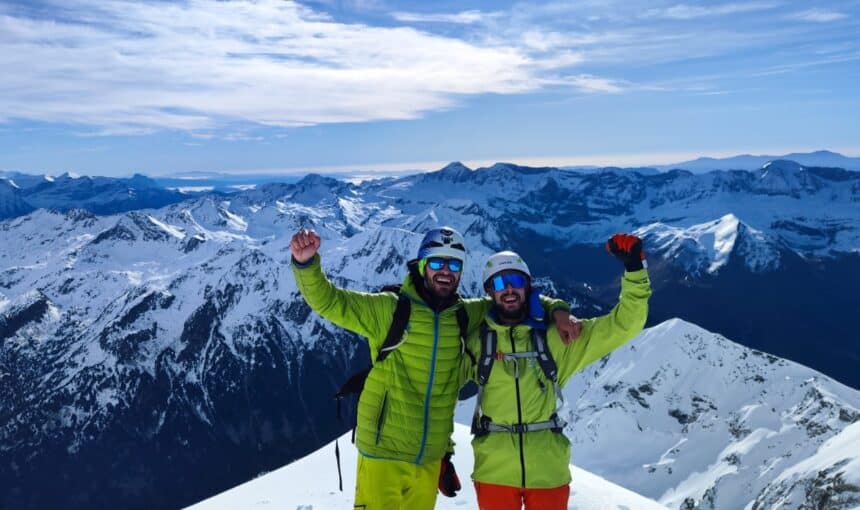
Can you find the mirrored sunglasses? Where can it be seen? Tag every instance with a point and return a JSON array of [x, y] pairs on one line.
[[437, 263], [515, 280]]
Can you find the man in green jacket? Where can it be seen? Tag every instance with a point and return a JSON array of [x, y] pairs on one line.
[[521, 453], [405, 411]]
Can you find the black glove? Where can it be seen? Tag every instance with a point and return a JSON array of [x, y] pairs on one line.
[[449, 482], [628, 249]]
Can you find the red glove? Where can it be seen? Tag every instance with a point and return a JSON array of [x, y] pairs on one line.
[[449, 482], [628, 249]]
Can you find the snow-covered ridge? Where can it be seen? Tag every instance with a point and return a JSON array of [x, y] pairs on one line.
[[311, 483], [656, 417], [713, 424]]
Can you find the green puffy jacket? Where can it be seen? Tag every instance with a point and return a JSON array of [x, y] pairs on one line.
[[406, 409], [540, 459]]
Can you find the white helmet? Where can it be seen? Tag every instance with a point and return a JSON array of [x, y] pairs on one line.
[[502, 261], [442, 242]]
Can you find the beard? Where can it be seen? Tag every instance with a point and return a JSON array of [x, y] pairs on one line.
[[441, 291], [512, 315], [516, 314]]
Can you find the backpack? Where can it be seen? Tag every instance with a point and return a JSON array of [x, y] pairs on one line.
[[399, 321], [483, 424]]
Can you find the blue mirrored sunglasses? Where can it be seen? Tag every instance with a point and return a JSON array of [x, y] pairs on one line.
[[515, 280], [437, 263]]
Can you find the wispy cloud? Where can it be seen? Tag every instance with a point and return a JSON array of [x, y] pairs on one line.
[[818, 15], [690, 11], [130, 67], [242, 137], [464, 17], [592, 84], [794, 66]]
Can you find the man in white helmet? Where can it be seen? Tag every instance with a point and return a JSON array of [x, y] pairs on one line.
[[406, 404], [521, 454]]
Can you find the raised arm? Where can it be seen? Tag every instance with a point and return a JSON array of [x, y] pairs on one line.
[[368, 314], [604, 334]]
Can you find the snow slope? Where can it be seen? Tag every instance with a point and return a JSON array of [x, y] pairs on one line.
[[311, 483], [827, 479], [680, 415], [687, 417]]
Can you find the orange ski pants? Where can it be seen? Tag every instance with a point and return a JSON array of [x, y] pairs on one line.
[[504, 497]]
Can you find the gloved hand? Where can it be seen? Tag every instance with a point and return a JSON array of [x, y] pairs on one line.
[[449, 482], [628, 249]]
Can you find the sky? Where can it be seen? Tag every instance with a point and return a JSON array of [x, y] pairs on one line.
[[115, 87]]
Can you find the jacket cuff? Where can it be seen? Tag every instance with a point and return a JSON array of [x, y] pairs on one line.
[[560, 306], [315, 260], [640, 274]]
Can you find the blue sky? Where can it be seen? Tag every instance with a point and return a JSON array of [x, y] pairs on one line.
[[113, 87]]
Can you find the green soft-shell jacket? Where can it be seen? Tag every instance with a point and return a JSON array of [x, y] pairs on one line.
[[406, 410], [540, 459]]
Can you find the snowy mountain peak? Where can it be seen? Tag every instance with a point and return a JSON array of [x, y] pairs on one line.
[[314, 189], [455, 167], [786, 177], [312, 180], [710, 246], [452, 172], [782, 165]]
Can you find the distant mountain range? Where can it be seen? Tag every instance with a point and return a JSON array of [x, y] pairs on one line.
[[821, 158], [174, 338], [22, 193]]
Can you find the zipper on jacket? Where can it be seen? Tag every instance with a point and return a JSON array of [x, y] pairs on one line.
[[381, 418], [519, 406], [429, 387]]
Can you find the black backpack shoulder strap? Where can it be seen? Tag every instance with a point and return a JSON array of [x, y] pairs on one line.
[[399, 321], [489, 342], [463, 325], [544, 356]]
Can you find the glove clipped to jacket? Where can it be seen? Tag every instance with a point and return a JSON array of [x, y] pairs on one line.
[[628, 249], [449, 482]]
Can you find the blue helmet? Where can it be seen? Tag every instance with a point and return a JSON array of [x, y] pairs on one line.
[[442, 242]]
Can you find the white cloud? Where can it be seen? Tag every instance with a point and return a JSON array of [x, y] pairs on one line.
[[130, 67], [242, 137], [589, 83], [464, 18], [818, 15], [688, 11]]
